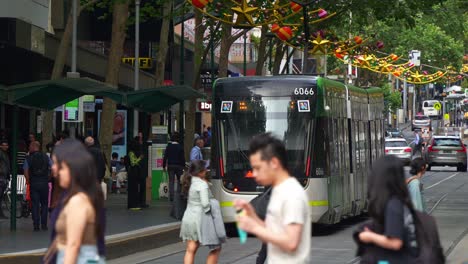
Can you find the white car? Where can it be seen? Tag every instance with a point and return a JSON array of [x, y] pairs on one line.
[[399, 148]]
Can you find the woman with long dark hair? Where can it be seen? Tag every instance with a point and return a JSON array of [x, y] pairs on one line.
[[415, 186], [78, 225], [392, 233], [195, 185]]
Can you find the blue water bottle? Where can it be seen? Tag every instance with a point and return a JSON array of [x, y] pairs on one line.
[[242, 233]]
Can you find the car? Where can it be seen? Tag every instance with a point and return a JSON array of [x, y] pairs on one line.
[[398, 147], [394, 133], [420, 122], [446, 151]]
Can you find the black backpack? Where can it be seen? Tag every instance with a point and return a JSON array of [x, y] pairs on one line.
[[430, 248], [39, 168]]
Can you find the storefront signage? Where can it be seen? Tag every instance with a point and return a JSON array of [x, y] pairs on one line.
[[73, 111], [145, 63], [204, 106]]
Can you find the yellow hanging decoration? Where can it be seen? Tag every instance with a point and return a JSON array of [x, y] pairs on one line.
[[244, 14]]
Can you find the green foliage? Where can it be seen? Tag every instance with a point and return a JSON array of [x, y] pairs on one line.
[[392, 99]]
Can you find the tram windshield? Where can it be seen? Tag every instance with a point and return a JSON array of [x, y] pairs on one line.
[[285, 117]]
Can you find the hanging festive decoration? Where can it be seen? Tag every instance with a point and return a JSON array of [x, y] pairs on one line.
[[284, 33], [246, 14]]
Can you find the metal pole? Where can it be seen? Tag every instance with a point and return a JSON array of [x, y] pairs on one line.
[[414, 102], [75, 22], [136, 63], [212, 61], [14, 175], [271, 54], [181, 80], [245, 54], [306, 37], [405, 99]]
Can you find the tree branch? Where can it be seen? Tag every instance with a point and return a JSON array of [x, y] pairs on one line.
[[88, 4]]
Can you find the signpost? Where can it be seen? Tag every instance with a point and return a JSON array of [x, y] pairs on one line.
[[160, 136], [73, 111]]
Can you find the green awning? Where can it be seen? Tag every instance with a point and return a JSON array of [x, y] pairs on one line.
[[160, 98], [49, 94]]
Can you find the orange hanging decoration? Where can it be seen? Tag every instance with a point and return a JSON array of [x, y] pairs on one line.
[[358, 40], [394, 57], [275, 28], [284, 33], [200, 3], [296, 7]]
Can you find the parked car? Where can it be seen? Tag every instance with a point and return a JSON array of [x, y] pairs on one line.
[[446, 151], [398, 147], [420, 122], [394, 133]]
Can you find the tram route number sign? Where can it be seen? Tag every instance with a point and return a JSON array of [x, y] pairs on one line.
[[437, 106], [304, 91]]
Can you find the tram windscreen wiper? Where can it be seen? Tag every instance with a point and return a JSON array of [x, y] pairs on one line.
[[236, 140]]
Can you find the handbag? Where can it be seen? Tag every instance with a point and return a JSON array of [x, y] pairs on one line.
[[260, 203], [164, 186]]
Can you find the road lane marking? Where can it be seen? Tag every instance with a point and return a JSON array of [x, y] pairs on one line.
[[439, 182]]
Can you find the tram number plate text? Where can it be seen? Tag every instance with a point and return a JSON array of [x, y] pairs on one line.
[[304, 91]]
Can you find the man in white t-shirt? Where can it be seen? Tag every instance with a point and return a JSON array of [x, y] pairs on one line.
[[287, 228]]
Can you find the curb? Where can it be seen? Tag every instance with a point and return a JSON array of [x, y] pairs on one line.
[[117, 246]]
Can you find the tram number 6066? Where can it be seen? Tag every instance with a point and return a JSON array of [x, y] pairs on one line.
[[303, 91]]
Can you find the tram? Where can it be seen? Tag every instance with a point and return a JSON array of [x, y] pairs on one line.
[[332, 133]]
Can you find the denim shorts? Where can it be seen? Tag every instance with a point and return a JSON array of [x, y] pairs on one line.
[[88, 255]]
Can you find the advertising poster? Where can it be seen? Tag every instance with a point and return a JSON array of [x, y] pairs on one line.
[[119, 132]]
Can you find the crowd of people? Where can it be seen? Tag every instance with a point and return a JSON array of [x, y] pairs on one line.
[[77, 219]]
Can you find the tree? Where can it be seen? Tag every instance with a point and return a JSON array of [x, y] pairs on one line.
[[119, 25], [59, 63], [392, 99]]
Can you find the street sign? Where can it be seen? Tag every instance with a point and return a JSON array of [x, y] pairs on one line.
[[415, 57], [73, 111], [437, 106]]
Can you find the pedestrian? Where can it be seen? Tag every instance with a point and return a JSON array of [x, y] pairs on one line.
[[22, 152], [98, 157], [79, 224], [287, 227], [31, 138], [415, 186], [393, 230], [417, 144], [4, 172], [67, 148], [196, 187], [143, 149], [196, 153], [206, 139], [174, 162], [134, 162], [37, 168]]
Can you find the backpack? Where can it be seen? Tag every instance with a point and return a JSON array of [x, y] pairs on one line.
[[430, 248], [39, 168]]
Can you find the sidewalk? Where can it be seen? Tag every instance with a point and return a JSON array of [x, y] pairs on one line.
[[119, 220]]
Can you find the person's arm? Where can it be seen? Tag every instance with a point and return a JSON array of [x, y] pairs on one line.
[[165, 158], [394, 228], [205, 198], [415, 193], [382, 241], [193, 154], [288, 240], [77, 215], [26, 171]]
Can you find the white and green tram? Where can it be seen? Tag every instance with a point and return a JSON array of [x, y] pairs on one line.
[[332, 133]]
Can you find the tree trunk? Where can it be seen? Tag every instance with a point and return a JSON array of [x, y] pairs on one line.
[[198, 62], [119, 21], [224, 51], [162, 54], [279, 55], [59, 63], [262, 50]]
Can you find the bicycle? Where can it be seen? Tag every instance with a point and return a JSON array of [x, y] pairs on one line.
[[23, 208]]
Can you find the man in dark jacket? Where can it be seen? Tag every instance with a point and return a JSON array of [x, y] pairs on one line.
[[4, 171], [174, 160], [98, 157], [37, 171]]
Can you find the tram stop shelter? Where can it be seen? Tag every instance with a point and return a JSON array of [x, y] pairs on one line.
[[49, 94]]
